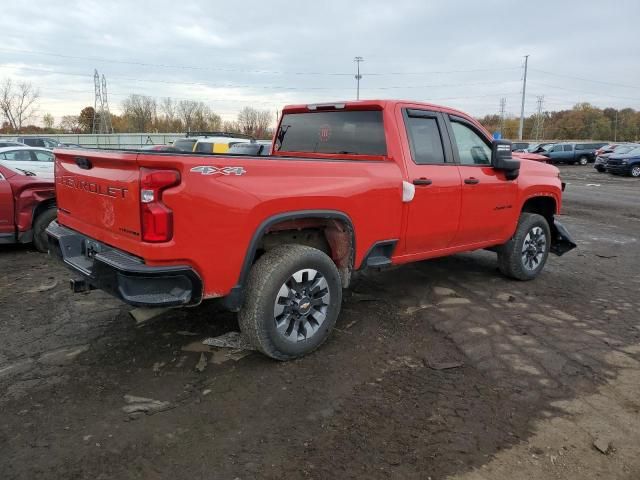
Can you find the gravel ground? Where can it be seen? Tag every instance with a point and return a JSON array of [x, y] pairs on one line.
[[437, 369]]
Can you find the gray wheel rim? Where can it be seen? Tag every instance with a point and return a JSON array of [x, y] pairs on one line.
[[635, 172], [301, 305], [583, 161], [533, 248]]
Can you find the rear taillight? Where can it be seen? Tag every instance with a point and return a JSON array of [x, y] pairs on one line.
[[156, 217]]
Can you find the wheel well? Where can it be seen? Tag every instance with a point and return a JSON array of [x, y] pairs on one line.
[[545, 206], [332, 236], [43, 207]]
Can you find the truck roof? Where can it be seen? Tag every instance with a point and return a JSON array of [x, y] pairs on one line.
[[366, 104]]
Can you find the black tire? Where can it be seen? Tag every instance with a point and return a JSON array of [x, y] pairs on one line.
[[40, 225], [267, 279], [600, 169], [511, 255], [583, 160]]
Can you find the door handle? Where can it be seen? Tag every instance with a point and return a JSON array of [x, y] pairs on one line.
[[422, 181], [471, 181]]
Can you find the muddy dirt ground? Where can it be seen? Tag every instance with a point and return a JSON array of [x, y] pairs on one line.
[[442, 368]]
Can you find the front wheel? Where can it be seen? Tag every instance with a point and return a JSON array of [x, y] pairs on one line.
[[583, 160], [635, 171], [293, 299], [524, 256]]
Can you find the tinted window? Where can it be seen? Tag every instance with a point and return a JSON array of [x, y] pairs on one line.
[[33, 142], [245, 149], [185, 145], [203, 147], [18, 156], [472, 149], [43, 156], [425, 140], [50, 143], [567, 148], [346, 132]]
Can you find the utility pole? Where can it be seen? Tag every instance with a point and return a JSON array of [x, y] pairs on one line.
[[538, 127], [503, 105], [615, 128], [358, 76], [97, 104], [105, 104], [524, 89]]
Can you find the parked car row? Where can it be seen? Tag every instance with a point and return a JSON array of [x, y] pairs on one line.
[[620, 159], [562, 152]]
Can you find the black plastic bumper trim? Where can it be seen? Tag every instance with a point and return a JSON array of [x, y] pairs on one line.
[[123, 275]]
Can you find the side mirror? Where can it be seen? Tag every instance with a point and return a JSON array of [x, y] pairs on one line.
[[501, 159]]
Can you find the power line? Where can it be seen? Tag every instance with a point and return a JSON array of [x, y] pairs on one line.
[[256, 86], [585, 92], [241, 70], [585, 79]]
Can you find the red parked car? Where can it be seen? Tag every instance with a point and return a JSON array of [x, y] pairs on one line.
[[27, 207], [347, 186]]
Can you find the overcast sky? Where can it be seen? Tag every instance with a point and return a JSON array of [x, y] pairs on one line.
[[466, 54]]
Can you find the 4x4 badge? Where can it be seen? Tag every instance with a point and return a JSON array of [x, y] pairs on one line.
[[208, 170]]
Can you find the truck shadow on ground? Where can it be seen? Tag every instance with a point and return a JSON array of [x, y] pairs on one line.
[[433, 370]]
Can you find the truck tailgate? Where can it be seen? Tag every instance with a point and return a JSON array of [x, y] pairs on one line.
[[99, 190]]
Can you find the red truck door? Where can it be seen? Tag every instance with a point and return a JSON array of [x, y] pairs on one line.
[[488, 210], [7, 227], [433, 213]]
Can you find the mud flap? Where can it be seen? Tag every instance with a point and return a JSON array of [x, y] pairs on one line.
[[561, 241]]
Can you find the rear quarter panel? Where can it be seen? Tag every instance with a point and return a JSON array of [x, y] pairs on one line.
[[216, 216]]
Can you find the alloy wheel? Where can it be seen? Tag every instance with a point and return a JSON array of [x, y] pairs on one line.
[[300, 307], [534, 248]]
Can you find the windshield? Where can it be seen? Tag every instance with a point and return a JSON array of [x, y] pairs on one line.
[[624, 148], [635, 151], [340, 132]]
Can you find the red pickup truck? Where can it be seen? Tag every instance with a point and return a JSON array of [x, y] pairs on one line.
[[347, 186], [27, 206]]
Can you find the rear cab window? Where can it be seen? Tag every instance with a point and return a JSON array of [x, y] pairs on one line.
[[343, 132]]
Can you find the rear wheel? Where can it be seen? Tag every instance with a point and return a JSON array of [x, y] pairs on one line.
[[293, 299], [635, 171], [40, 225], [524, 256], [583, 160]]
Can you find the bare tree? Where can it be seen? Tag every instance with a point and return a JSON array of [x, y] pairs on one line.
[[140, 111], [263, 122], [71, 123], [168, 107], [17, 103], [254, 122], [187, 110], [48, 121]]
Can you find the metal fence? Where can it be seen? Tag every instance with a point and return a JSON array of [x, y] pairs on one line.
[[115, 140]]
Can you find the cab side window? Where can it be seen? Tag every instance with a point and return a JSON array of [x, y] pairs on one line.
[[425, 140], [472, 148], [568, 148]]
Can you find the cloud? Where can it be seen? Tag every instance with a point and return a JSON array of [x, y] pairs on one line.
[[465, 54]]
